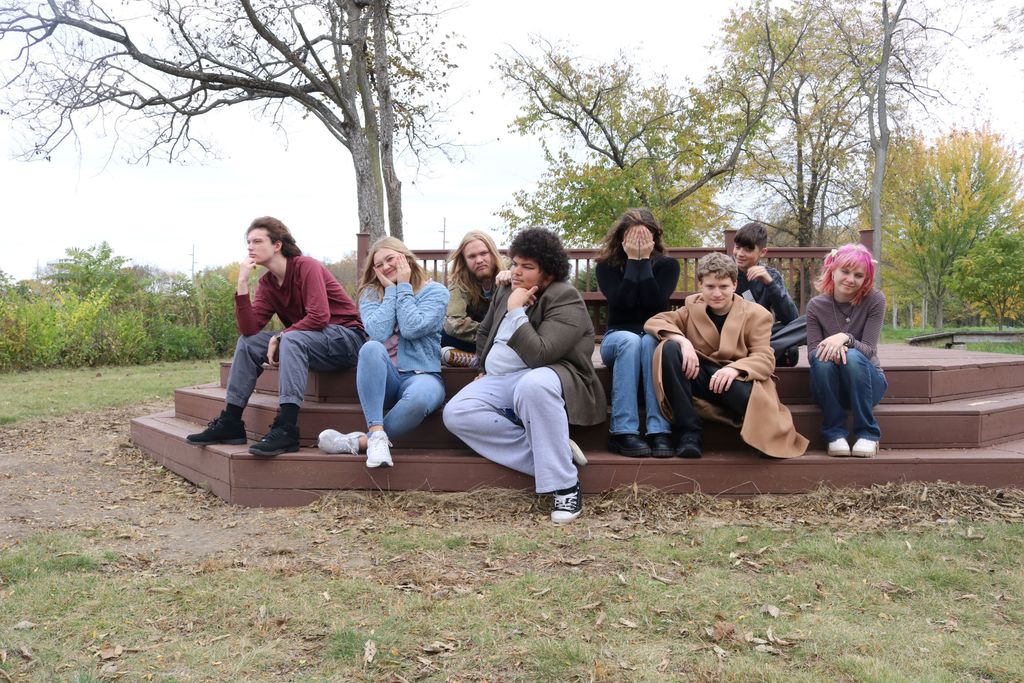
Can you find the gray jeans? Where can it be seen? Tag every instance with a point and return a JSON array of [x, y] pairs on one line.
[[333, 348]]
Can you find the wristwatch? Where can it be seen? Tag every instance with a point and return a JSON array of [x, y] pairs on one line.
[[849, 341]]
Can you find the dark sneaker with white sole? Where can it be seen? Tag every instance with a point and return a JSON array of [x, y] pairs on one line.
[[221, 430], [568, 504], [280, 439]]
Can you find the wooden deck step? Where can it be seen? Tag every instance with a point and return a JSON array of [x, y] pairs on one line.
[[915, 375], [962, 423], [299, 478]]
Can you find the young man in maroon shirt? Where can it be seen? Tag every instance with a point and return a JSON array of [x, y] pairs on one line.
[[322, 331]]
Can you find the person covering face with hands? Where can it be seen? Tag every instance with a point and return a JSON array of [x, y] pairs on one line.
[[637, 279]]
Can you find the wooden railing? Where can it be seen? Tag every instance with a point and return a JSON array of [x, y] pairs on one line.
[[799, 267]]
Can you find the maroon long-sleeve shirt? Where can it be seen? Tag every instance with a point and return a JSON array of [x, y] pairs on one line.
[[308, 299]]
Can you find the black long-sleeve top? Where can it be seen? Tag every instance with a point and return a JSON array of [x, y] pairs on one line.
[[774, 297], [638, 291]]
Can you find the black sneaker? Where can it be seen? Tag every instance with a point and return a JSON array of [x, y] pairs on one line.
[[628, 444], [689, 446], [222, 430], [568, 504], [661, 445], [280, 439]]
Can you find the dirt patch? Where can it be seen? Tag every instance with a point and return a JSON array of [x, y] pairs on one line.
[[81, 473]]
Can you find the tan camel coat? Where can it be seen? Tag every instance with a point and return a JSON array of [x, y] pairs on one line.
[[743, 345]]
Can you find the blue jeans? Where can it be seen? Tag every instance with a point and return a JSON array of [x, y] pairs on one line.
[[857, 386], [629, 355], [407, 396]]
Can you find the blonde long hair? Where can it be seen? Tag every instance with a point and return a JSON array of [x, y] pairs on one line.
[[459, 272], [370, 282]]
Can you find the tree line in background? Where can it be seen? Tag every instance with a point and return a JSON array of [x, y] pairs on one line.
[[95, 308], [806, 124], [805, 121]]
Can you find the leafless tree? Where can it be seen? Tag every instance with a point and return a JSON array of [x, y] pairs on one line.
[[152, 67], [888, 46]]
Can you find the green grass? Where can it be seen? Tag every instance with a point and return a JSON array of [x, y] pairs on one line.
[[891, 335], [998, 347], [47, 393], [927, 605]]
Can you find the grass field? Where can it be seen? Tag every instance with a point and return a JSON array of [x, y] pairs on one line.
[[465, 602], [123, 571], [48, 393]]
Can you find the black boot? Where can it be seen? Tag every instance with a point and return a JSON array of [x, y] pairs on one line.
[[224, 429], [689, 445], [282, 438], [661, 445], [628, 444]]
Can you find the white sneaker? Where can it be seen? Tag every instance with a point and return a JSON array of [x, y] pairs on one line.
[[331, 441], [864, 448], [378, 450], [840, 448], [577, 454]]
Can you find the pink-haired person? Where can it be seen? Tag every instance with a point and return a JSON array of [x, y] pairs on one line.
[[843, 327]]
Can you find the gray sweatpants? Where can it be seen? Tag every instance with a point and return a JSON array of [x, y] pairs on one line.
[[333, 348], [517, 420]]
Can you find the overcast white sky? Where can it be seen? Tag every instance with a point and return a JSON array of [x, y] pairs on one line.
[[157, 214]]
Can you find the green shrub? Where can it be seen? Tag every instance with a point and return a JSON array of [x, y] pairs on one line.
[[172, 341], [79, 321], [95, 309], [215, 297], [122, 339]]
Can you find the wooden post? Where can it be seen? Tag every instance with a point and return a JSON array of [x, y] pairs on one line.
[[729, 237], [867, 237]]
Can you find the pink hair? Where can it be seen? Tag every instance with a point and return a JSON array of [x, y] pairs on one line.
[[847, 256]]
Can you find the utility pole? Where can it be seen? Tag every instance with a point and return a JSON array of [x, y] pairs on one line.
[[444, 244], [193, 255]]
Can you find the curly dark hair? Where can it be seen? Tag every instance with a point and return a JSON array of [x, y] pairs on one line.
[[611, 251], [544, 247]]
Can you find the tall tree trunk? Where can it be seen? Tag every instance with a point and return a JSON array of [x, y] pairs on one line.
[[371, 220], [386, 108], [880, 142]]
